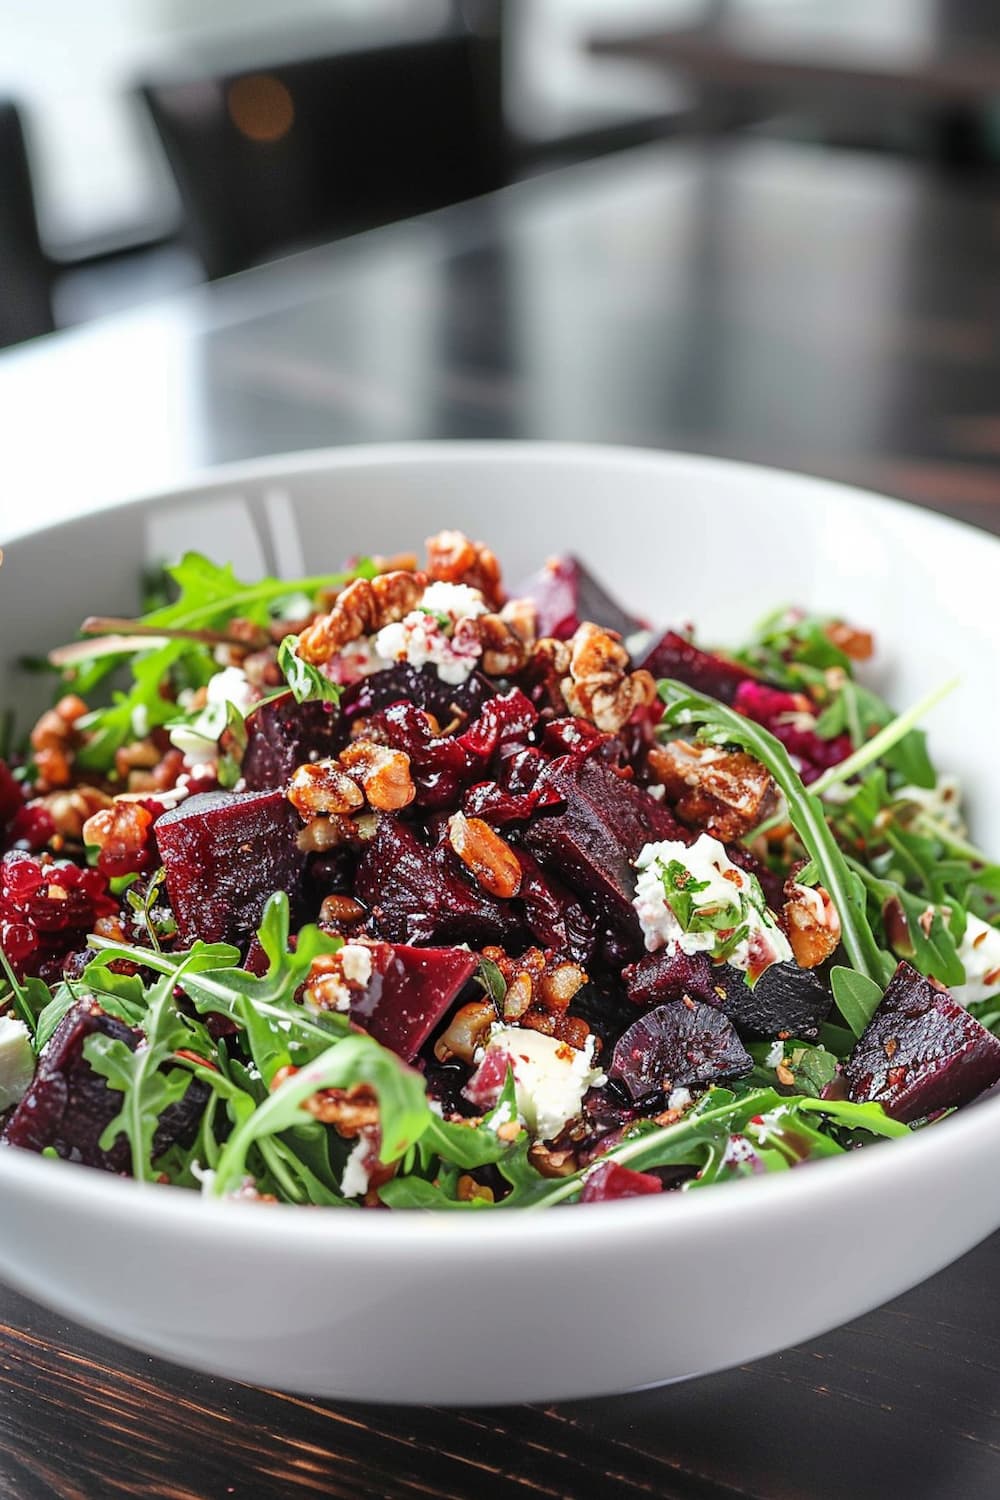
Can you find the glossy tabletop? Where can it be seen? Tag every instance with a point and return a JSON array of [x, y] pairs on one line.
[[836, 314]]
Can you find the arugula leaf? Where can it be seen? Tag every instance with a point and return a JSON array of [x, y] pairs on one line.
[[28, 997], [808, 816], [886, 742], [857, 997], [306, 681]]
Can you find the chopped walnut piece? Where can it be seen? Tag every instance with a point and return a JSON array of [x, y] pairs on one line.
[[452, 558], [600, 686], [467, 1031], [119, 829], [551, 1163], [487, 856], [70, 809], [859, 645], [349, 1111], [54, 740], [322, 787], [362, 608], [334, 977], [723, 792], [540, 987], [505, 650], [384, 774], [812, 923]]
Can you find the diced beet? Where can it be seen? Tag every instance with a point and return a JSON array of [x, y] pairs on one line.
[[506, 719], [785, 998], [675, 656], [664, 976], [410, 992], [69, 1105], [283, 734], [592, 843], [552, 914], [422, 686], [225, 853], [609, 1181], [921, 1051], [488, 800], [521, 771], [676, 1045], [565, 593], [417, 894], [781, 714], [439, 764]]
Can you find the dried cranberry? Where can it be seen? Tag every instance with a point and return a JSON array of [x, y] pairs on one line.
[[46, 910]]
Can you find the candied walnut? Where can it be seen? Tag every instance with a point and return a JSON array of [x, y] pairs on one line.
[[141, 755], [349, 1111], [384, 774], [468, 1190], [504, 650], [551, 1163], [54, 740], [859, 645], [362, 608], [812, 923], [119, 829], [726, 793], [70, 810], [487, 856], [540, 987], [452, 558], [467, 1031], [322, 787], [338, 913], [334, 977], [321, 834], [599, 686]]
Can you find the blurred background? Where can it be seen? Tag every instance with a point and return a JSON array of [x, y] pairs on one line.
[[148, 145]]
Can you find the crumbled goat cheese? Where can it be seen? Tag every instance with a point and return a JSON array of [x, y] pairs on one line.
[[696, 900], [356, 1175], [979, 955], [550, 1077], [776, 1056], [679, 1098], [17, 1061], [433, 633], [356, 963], [231, 685]]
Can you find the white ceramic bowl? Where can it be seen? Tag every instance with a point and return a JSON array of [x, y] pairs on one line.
[[581, 1300]]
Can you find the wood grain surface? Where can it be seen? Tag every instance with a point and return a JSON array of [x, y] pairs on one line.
[[831, 313]]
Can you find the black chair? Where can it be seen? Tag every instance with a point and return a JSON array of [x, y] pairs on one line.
[[311, 150], [25, 274]]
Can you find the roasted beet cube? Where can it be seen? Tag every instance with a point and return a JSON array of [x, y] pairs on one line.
[[673, 655], [418, 894], [225, 853], [565, 593], [68, 1106], [785, 998], [609, 1181], [420, 685], [505, 720], [591, 844], [921, 1051], [283, 734], [677, 1045], [553, 915], [664, 976], [410, 992]]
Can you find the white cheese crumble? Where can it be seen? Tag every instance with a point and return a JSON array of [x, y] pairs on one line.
[[356, 1176], [680, 1098], [550, 1077], [696, 900], [231, 685], [356, 963], [979, 955], [17, 1061], [776, 1055], [432, 634]]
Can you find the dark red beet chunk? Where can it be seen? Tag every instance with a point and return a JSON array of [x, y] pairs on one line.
[[553, 915], [565, 593], [422, 686], [610, 1181], [592, 843], [921, 1051], [410, 992], [416, 894], [225, 853], [674, 655], [785, 998], [68, 1106], [677, 1045], [284, 734], [661, 976]]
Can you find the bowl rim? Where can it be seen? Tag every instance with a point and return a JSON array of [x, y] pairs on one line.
[[449, 1234]]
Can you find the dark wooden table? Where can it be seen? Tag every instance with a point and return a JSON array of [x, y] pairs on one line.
[[829, 313]]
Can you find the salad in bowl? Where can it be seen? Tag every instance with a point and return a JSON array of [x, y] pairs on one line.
[[407, 888]]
